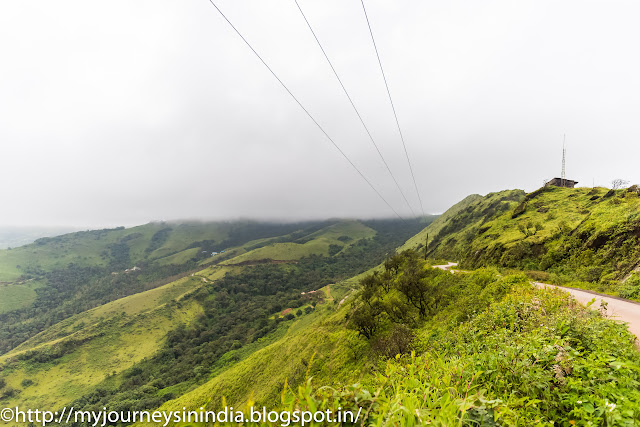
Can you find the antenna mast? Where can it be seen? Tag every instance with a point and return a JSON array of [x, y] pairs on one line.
[[564, 152]]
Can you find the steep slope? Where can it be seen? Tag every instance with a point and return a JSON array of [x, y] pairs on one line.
[[489, 350], [436, 226], [75, 355], [589, 237]]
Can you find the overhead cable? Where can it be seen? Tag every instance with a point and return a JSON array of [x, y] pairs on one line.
[[305, 110], [344, 89], [392, 106]]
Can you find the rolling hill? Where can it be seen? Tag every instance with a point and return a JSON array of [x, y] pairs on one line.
[[236, 302], [350, 314]]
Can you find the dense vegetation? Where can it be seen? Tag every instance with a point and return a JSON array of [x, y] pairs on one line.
[[76, 288], [486, 350], [237, 310], [583, 237], [221, 315], [413, 345]]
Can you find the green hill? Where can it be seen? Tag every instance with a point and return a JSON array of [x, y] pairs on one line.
[[142, 349], [54, 278], [583, 236], [334, 315]]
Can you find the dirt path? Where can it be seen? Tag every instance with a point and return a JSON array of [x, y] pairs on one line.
[[617, 309]]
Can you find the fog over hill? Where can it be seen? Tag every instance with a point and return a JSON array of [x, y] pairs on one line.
[[157, 110]]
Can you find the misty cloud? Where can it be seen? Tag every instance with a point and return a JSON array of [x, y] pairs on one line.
[[125, 112]]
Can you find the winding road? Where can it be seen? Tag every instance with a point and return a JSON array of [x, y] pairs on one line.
[[617, 308]]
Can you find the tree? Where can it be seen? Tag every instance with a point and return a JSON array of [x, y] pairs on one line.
[[618, 183], [416, 286], [365, 319]]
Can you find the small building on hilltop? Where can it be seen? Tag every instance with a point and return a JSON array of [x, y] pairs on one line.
[[561, 182]]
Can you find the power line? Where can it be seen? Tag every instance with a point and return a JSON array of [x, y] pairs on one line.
[[304, 109], [392, 106], [354, 106]]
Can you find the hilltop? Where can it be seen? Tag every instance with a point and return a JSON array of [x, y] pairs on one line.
[[586, 237]]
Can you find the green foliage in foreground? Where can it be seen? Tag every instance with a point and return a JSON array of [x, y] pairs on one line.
[[534, 359], [494, 351]]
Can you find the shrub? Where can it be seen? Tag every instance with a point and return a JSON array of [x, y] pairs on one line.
[[631, 288], [398, 341]]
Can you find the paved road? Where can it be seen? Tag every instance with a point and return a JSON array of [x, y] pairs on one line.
[[446, 267], [617, 309]]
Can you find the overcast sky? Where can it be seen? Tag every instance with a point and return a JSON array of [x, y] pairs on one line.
[[123, 112]]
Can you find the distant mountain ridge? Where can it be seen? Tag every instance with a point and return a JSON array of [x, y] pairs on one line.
[[12, 237]]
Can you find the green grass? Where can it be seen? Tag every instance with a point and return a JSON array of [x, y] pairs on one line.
[[114, 337], [92, 248], [581, 237], [13, 297], [318, 244], [534, 359], [433, 229], [180, 257], [318, 336], [111, 338]]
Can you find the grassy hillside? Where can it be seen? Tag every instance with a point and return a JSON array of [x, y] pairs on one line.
[[122, 248], [317, 344], [328, 241], [488, 349], [75, 355], [55, 278], [436, 226], [148, 347], [354, 327], [583, 236]]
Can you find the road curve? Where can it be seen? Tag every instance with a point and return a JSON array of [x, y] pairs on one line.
[[617, 309]]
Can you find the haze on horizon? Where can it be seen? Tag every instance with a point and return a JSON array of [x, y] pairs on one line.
[[121, 113]]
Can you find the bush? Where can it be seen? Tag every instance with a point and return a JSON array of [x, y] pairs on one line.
[[631, 288], [398, 341], [535, 358], [539, 276]]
